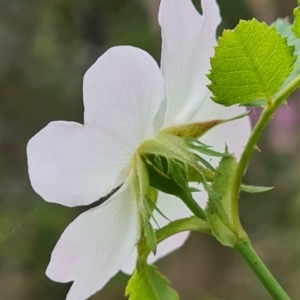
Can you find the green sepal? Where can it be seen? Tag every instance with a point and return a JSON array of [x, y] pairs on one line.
[[251, 62], [194, 190], [198, 146], [178, 171], [150, 236], [147, 283], [158, 163], [170, 186], [141, 183], [219, 209], [153, 207], [167, 150], [144, 194], [222, 233], [196, 176], [252, 189], [168, 146]]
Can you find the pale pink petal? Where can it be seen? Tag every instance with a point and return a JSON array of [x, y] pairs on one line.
[[188, 43], [173, 208], [123, 95], [72, 164], [93, 248]]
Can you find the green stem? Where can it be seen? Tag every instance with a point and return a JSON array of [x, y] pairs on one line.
[[192, 204], [177, 226], [265, 118], [245, 249]]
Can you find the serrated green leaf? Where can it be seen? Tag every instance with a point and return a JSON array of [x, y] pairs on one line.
[[251, 62], [296, 25], [284, 27], [252, 189], [147, 283], [219, 209]]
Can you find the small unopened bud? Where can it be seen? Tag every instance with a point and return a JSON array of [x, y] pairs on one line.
[[196, 130], [193, 130]]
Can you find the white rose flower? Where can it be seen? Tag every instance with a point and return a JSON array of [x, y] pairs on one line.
[[128, 99]]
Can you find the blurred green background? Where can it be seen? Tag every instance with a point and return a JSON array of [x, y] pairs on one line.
[[45, 48]]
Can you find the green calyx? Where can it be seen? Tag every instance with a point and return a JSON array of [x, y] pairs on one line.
[[145, 196], [168, 164], [170, 157], [172, 165]]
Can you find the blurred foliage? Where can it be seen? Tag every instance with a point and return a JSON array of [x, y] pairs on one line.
[[45, 48]]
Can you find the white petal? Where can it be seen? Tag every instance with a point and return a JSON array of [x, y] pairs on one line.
[[188, 43], [123, 94], [92, 248], [124, 102], [72, 164], [173, 208]]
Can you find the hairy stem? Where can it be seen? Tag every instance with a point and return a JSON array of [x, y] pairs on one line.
[[245, 249], [243, 246], [265, 118]]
